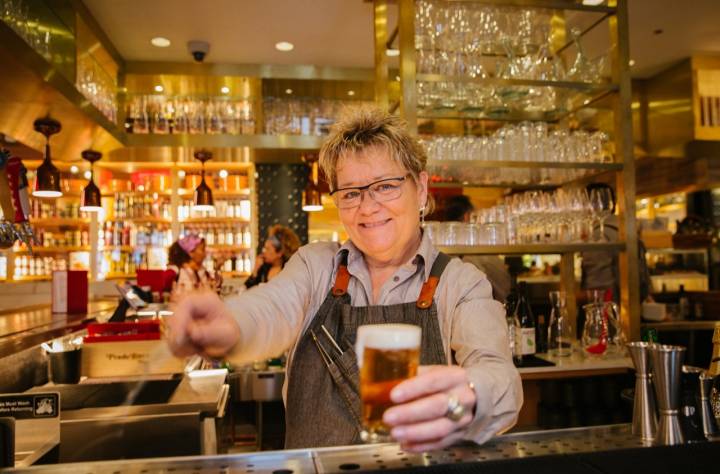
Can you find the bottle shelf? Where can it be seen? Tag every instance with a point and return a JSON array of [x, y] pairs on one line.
[[52, 250], [214, 220], [227, 248], [532, 248], [146, 220], [122, 248], [120, 276], [234, 274], [32, 278], [48, 222], [259, 141]]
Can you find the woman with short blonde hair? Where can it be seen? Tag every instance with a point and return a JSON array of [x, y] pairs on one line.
[[387, 272]]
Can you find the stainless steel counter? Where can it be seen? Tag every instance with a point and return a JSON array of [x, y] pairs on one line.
[[378, 457]]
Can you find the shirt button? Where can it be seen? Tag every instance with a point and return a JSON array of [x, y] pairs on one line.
[[396, 279]]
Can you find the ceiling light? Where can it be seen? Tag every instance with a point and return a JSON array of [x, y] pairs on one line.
[[160, 42], [351, 93], [288, 91], [392, 52], [284, 46], [225, 89], [631, 63], [159, 88], [47, 176], [181, 173], [223, 174], [397, 78], [87, 174], [592, 3], [74, 169]]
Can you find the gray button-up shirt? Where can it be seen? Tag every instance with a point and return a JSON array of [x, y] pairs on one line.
[[273, 316]]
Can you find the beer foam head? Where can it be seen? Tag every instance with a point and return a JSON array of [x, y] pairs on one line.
[[386, 337]]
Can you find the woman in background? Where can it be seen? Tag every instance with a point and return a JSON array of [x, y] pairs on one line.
[[187, 256], [280, 245]]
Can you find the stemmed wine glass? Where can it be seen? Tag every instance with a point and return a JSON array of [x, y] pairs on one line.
[[601, 202]]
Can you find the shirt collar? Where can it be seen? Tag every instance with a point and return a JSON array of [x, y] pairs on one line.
[[425, 255]]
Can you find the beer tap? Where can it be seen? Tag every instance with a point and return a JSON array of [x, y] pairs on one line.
[[8, 233], [17, 178]]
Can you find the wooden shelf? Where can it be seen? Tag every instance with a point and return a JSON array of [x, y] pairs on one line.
[[33, 278], [60, 222], [227, 248], [289, 142], [531, 248], [214, 220], [147, 220], [48, 250], [120, 276], [122, 248], [235, 274]]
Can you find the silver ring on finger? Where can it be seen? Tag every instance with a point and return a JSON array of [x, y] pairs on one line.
[[455, 410]]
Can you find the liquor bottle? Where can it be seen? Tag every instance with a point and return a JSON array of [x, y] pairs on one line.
[[683, 304], [513, 324], [527, 321]]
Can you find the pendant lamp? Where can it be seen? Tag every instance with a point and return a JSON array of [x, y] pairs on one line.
[[203, 194], [91, 197], [47, 176], [312, 196]]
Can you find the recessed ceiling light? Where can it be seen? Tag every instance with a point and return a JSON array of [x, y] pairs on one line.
[[392, 52], [87, 174], [181, 173], [160, 42], [631, 63], [284, 46], [288, 91], [74, 169], [159, 88], [223, 174], [351, 93], [225, 89], [592, 2], [397, 78]]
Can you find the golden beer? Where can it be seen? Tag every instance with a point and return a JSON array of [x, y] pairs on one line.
[[387, 355]]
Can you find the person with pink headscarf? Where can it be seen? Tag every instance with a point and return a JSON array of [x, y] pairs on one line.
[[187, 256]]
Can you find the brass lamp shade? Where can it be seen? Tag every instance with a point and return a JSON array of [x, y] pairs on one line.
[[312, 198], [47, 179], [203, 200]]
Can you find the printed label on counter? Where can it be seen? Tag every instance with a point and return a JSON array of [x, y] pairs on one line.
[[37, 405]]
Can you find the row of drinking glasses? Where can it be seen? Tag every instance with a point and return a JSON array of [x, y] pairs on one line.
[[302, 116], [160, 114], [460, 233], [534, 217], [531, 142], [97, 86], [446, 172], [16, 14], [454, 38]]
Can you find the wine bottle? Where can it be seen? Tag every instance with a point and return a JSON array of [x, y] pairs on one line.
[[524, 314]]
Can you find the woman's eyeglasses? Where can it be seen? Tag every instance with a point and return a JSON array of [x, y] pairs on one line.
[[381, 191]]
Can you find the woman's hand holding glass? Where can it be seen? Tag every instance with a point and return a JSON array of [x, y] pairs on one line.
[[419, 421]]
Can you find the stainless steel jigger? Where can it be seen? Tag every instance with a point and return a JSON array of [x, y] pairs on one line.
[[710, 428], [667, 364], [644, 422]]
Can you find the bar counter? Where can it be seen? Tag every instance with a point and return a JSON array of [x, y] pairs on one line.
[[606, 449]]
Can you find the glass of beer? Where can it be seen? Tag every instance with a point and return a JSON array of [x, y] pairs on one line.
[[387, 355]]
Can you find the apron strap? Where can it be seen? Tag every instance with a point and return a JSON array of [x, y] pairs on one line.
[[427, 292], [342, 278]]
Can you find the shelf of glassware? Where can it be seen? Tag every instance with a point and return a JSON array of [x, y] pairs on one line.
[[576, 5], [532, 249], [259, 141], [504, 99], [477, 173], [51, 250]]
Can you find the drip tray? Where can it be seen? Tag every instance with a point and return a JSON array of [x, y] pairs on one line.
[[113, 394]]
